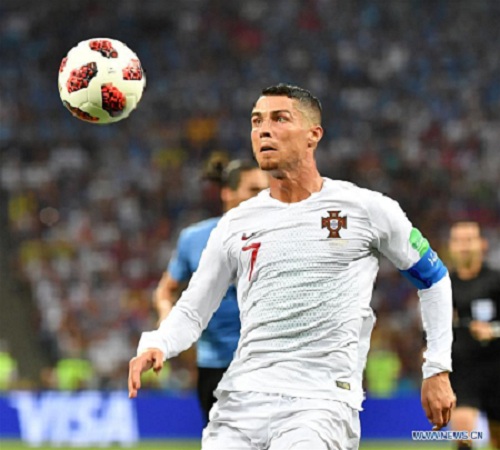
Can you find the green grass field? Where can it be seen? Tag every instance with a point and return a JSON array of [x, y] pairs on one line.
[[194, 445]]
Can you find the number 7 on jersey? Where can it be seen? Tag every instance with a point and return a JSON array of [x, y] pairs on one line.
[[253, 257]]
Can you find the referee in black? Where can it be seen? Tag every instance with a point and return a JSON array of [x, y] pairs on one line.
[[476, 347]]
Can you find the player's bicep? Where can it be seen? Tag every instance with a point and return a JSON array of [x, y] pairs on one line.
[[427, 271], [405, 246]]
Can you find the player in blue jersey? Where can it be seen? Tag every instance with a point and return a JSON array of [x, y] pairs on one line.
[[240, 181]]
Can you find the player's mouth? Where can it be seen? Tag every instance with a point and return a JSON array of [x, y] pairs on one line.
[[267, 148]]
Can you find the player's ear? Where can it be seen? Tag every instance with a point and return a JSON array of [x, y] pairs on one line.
[[314, 136], [225, 194]]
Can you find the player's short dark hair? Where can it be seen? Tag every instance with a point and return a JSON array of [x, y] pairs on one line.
[[214, 167], [231, 175], [225, 173], [302, 95]]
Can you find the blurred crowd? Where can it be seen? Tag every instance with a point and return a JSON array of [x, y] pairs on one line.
[[411, 98]]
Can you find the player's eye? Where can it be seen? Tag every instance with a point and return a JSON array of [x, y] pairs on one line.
[[256, 121], [281, 119]]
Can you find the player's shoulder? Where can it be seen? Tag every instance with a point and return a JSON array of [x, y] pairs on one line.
[[198, 229], [255, 204], [364, 196]]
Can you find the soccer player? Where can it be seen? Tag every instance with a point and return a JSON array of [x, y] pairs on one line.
[[304, 254], [240, 180], [476, 349]]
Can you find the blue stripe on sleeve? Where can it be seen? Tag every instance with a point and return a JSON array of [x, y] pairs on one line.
[[427, 271]]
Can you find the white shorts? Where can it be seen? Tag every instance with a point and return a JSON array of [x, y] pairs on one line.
[[259, 421]]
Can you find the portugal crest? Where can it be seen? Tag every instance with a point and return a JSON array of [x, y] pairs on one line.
[[334, 223]]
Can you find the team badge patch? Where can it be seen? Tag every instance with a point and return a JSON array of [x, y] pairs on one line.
[[334, 223]]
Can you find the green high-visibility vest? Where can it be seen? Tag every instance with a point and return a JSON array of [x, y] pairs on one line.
[[382, 373], [8, 367], [73, 373]]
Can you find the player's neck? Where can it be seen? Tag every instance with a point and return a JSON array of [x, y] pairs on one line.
[[290, 187]]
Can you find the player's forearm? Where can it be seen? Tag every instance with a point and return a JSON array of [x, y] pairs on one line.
[[437, 316], [163, 308], [165, 300], [175, 334], [166, 295], [190, 315], [198, 302]]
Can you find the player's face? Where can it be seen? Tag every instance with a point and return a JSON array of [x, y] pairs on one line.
[[280, 133], [466, 245], [251, 183]]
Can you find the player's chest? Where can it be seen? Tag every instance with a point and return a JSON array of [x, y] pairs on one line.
[[322, 232]]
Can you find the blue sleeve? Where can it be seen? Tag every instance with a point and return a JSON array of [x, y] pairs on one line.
[[178, 267], [428, 270]]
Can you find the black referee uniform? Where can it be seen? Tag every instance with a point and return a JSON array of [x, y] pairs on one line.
[[476, 365]]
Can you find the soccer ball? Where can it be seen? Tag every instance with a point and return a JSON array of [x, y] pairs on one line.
[[101, 81]]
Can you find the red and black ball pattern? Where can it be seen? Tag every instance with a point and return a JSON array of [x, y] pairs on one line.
[[133, 71], [113, 100], [77, 112], [104, 47], [80, 78], [63, 64]]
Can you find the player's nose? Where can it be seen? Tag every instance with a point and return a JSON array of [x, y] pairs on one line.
[[265, 128]]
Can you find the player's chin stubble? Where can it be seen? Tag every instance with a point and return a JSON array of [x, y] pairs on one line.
[[272, 168], [267, 164]]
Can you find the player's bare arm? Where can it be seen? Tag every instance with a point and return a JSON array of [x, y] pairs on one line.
[[438, 399], [166, 295]]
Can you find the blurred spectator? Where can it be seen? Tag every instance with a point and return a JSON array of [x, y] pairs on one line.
[[73, 374], [8, 368], [383, 364]]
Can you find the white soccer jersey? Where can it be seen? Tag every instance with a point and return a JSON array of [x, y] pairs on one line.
[[305, 273]]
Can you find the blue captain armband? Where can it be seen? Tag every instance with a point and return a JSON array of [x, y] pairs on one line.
[[427, 271]]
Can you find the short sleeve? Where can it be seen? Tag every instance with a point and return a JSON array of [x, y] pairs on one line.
[[178, 267]]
